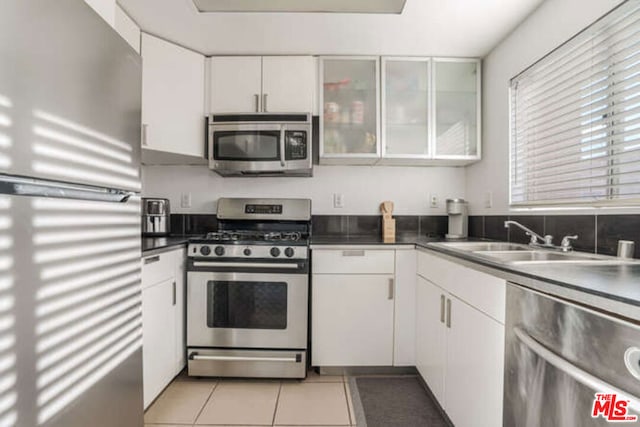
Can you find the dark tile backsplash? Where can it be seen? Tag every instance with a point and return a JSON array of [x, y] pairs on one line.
[[582, 225], [330, 224], [476, 226], [365, 225], [494, 228], [612, 228], [595, 233], [434, 226], [535, 223]]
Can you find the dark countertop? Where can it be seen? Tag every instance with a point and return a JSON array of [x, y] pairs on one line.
[[614, 288], [156, 243]]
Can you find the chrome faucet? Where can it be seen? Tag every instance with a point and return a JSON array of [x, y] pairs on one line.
[[546, 241]]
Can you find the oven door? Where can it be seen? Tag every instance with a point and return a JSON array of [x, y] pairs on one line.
[[247, 310]]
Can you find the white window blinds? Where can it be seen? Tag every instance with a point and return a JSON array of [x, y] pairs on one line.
[[575, 118]]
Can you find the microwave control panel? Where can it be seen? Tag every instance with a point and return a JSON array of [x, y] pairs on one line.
[[296, 145]]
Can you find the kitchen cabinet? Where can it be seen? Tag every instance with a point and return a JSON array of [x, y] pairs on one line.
[[406, 109], [427, 111], [173, 86], [163, 320], [352, 320], [254, 84], [363, 307], [460, 339], [349, 96], [431, 352], [456, 103]]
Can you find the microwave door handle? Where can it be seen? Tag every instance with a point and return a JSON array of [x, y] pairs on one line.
[[282, 146]]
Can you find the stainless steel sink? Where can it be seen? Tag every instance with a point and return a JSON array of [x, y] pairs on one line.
[[483, 246], [546, 256], [517, 254]]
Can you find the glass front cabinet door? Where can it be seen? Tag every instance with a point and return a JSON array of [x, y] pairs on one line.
[[405, 109], [349, 126], [456, 104]]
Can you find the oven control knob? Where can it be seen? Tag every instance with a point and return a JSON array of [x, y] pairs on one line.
[[247, 251], [205, 250], [219, 250], [289, 252], [275, 252]]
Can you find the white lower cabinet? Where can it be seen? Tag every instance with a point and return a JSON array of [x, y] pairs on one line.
[[431, 351], [163, 321], [362, 307], [352, 320], [460, 345]]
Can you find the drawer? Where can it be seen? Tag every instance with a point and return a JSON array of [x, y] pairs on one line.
[[158, 268], [483, 291], [353, 261]]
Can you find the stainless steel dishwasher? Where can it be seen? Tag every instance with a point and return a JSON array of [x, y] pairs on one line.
[[561, 357]]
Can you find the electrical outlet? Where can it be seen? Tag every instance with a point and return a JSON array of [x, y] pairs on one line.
[[185, 200], [338, 200], [488, 199], [434, 202]]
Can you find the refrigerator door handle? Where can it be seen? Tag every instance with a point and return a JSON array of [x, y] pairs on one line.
[[19, 186]]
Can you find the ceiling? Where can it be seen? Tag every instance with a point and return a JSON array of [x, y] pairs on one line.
[[467, 28]]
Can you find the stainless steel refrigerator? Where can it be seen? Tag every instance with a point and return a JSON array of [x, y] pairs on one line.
[[70, 305]]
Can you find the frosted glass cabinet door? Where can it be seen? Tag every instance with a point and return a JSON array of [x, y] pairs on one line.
[[457, 107], [405, 108], [350, 102]]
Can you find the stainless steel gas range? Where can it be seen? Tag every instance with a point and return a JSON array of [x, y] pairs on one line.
[[247, 291]]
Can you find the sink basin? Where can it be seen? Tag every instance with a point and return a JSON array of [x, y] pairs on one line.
[[484, 246], [546, 256]]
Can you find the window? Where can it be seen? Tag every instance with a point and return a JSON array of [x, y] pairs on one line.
[[575, 119]]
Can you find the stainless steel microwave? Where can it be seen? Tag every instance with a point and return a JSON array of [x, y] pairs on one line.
[[260, 144]]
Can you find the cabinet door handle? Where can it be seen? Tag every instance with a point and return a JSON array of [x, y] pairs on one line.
[[144, 134], [442, 308], [353, 253], [151, 259], [448, 313], [264, 102], [391, 291], [257, 98], [174, 293]]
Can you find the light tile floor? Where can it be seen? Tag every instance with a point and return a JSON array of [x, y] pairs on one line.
[[317, 401]]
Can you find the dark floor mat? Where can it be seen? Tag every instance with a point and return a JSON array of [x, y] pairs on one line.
[[396, 402]]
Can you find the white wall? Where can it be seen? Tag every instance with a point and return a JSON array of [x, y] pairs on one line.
[[364, 187], [551, 24]]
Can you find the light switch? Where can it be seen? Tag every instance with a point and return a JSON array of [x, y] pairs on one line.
[[185, 200], [338, 200]]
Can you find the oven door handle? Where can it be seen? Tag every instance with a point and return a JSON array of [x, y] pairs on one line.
[[195, 356], [245, 264]]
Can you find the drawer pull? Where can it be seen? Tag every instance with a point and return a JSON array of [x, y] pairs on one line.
[[391, 291], [174, 292], [151, 259], [353, 253], [448, 313], [442, 308], [195, 356]]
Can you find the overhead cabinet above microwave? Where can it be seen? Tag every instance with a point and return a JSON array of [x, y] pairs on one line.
[[399, 110], [261, 84]]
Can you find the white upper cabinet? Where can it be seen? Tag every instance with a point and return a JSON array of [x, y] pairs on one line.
[[405, 108], [287, 84], [349, 125], [456, 100], [429, 110], [254, 84], [172, 98], [236, 84]]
